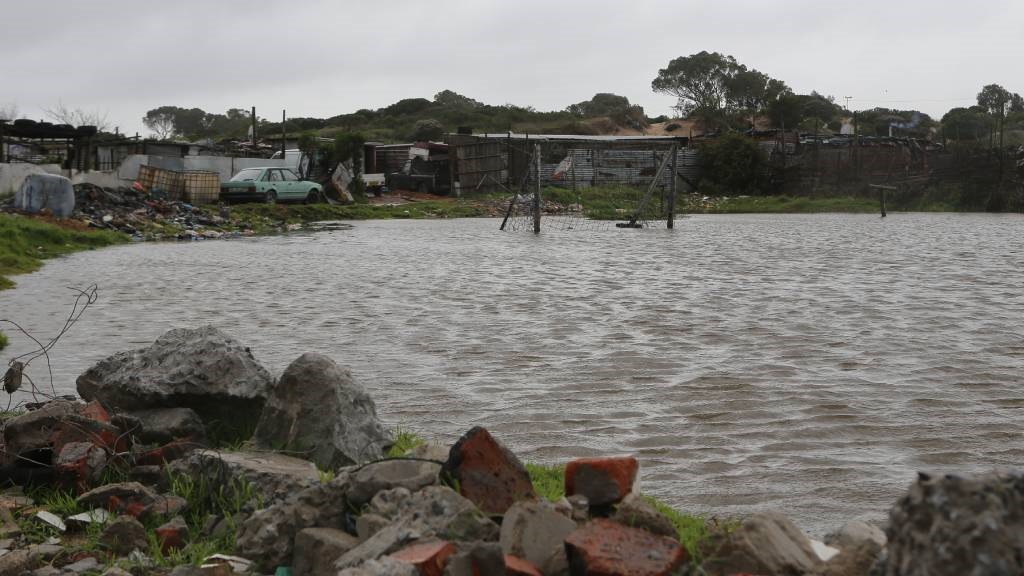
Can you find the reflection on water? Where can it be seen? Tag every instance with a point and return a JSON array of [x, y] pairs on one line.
[[807, 363]]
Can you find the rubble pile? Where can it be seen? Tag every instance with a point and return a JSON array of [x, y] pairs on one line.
[[136, 212], [315, 492]]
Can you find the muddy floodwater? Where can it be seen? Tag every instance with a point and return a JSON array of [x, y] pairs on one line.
[[809, 363]]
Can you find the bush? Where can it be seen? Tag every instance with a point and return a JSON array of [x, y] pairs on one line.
[[733, 164]]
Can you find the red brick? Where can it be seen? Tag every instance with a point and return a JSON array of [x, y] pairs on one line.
[[94, 411], [166, 453], [429, 558], [173, 535], [601, 480], [488, 473], [605, 548], [78, 429], [78, 463], [515, 566]]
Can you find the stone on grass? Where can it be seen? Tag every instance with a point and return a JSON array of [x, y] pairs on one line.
[[949, 525], [534, 531], [605, 548], [172, 535], [50, 519], [636, 511], [202, 369], [602, 480], [316, 549], [32, 431], [83, 520], [123, 535], [388, 474], [488, 473], [87, 564], [267, 537], [318, 409], [274, 477], [122, 497], [765, 543]]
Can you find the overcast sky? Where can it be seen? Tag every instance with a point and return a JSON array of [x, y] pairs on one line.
[[322, 58]]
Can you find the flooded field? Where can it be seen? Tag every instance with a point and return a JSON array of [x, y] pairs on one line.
[[810, 363]]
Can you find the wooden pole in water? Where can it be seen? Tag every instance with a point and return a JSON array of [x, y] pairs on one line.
[[671, 216], [536, 191], [882, 191]]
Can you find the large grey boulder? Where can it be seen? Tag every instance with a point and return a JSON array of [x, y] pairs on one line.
[[203, 369], [46, 191], [766, 543], [317, 409], [950, 525]]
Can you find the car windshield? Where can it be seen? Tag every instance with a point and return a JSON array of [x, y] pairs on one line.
[[247, 175]]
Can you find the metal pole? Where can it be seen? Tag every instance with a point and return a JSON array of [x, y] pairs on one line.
[[672, 190], [283, 135], [254, 125], [536, 191]]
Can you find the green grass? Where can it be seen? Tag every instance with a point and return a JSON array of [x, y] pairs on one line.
[[29, 241], [266, 217], [613, 202], [790, 205], [548, 481], [405, 441]]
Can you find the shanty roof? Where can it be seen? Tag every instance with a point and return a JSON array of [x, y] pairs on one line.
[[581, 137]]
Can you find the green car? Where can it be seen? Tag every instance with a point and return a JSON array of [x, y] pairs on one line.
[[269, 184]]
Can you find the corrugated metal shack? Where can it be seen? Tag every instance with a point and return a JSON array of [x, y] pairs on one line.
[[490, 162]]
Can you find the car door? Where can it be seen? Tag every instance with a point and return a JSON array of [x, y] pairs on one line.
[[272, 181], [291, 182]]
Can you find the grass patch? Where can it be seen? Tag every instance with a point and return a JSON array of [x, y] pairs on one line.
[[792, 205], [607, 202], [266, 217], [28, 241], [548, 481], [405, 441]]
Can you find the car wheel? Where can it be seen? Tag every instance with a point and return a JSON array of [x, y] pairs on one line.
[[271, 197], [313, 197]]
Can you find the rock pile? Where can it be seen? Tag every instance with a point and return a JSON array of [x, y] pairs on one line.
[[151, 493]]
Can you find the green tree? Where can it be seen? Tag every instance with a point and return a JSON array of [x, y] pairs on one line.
[[714, 87], [732, 164], [427, 130], [999, 102], [962, 124]]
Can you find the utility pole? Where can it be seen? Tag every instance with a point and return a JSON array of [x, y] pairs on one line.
[[283, 135], [254, 125]]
